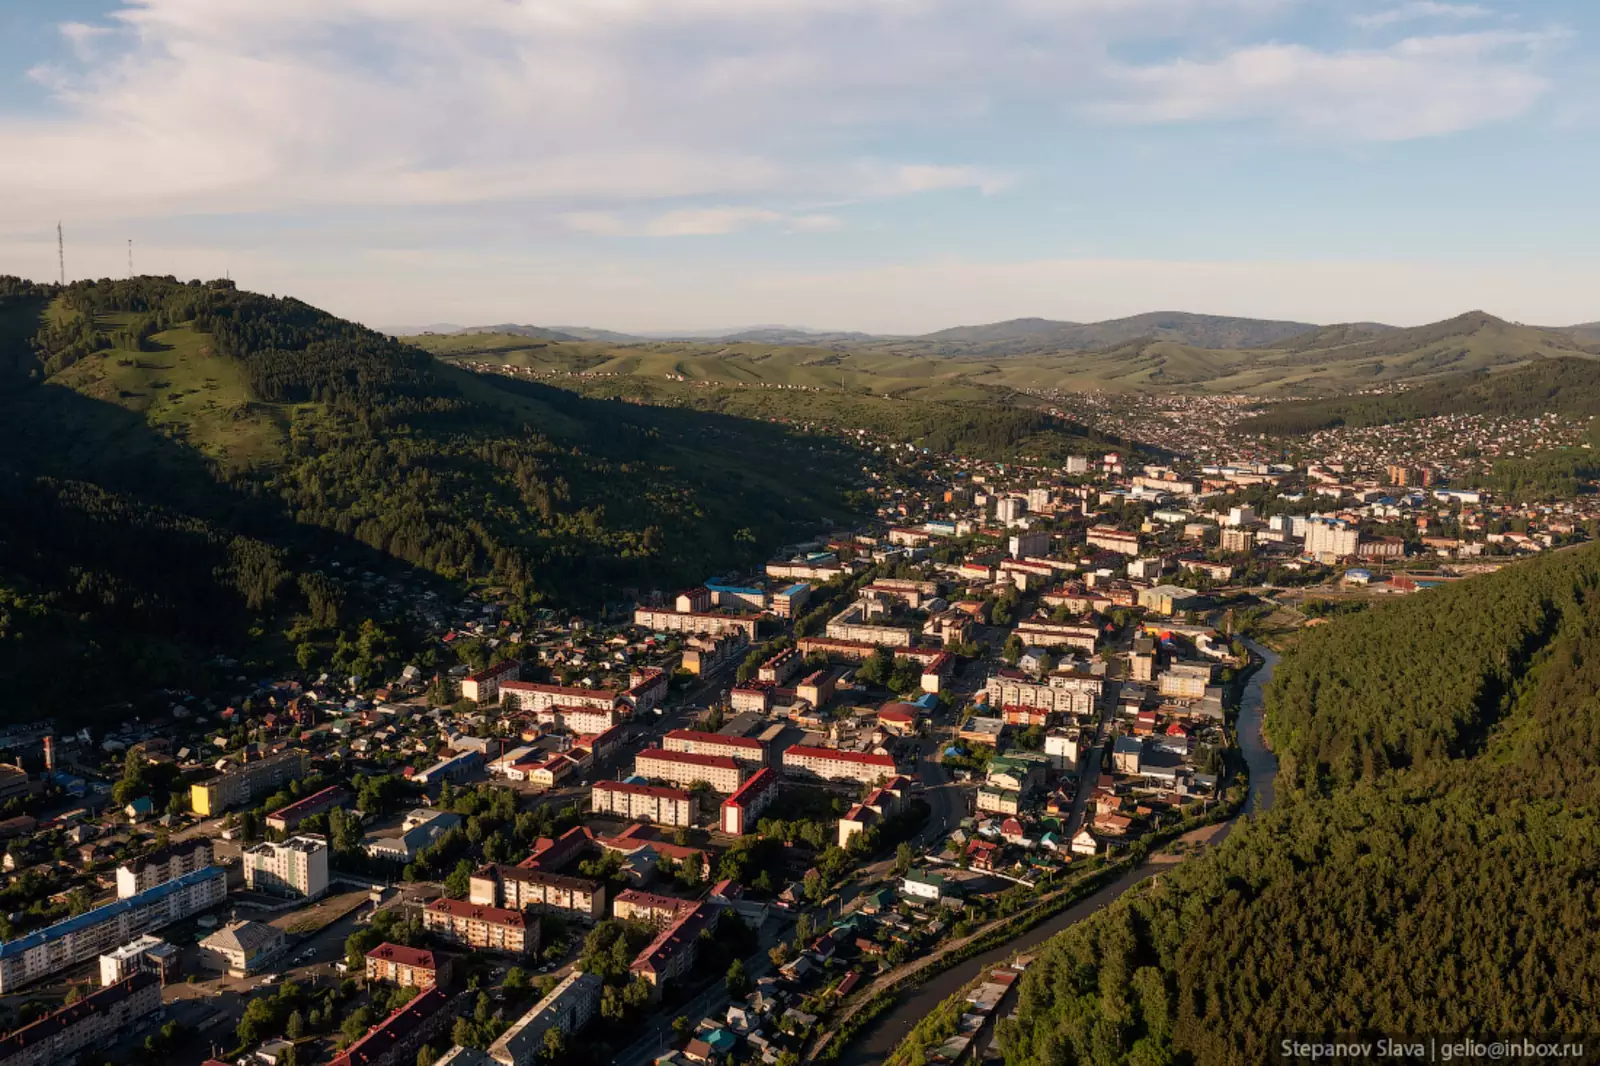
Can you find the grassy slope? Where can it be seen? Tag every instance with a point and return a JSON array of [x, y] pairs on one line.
[[1328, 360]]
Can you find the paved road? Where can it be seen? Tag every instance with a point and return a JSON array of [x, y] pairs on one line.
[[877, 1042]]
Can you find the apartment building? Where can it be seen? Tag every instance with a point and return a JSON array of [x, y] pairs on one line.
[[568, 1007], [163, 865], [483, 686], [408, 967], [781, 667], [651, 803], [517, 888], [1058, 635], [739, 749], [94, 1021], [249, 781], [581, 720], [1028, 545], [830, 764], [287, 819], [742, 810], [90, 934], [823, 569], [396, 1040], [297, 868], [483, 927], [1064, 746], [789, 601], [1330, 539], [532, 696], [145, 954], [672, 953], [857, 623], [631, 905], [1113, 540], [683, 769], [663, 621], [1063, 692]]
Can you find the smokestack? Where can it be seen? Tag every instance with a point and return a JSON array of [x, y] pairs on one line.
[[49, 754]]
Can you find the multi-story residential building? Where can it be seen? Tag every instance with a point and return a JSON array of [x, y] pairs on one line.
[[568, 1007], [824, 568], [1029, 545], [752, 696], [163, 865], [581, 720], [1328, 538], [856, 623], [859, 650], [1168, 599], [1186, 680], [90, 934], [1062, 692], [651, 803], [1114, 540], [781, 667], [532, 696], [243, 948], [298, 867], [246, 782], [834, 765], [1009, 509], [93, 1021], [672, 953], [408, 967], [1240, 541], [287, 819], [684, 769], [647, 686], [484, 927], [483, 686], [517, 888], [788, 602], [739, 749], [397, 1039], [875, 808], [741, 810], [1058, 635], [1125, 755], [1076, 464], [631, 905], [992, 799], [663, 621]]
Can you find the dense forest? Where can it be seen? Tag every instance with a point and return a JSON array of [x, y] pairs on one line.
[[1564, 386], [121, 542], [1430, 866]]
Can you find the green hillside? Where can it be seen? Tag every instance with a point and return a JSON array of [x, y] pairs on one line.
[[1563, 385], [218, 434], [1035, 354], [1428, 868]]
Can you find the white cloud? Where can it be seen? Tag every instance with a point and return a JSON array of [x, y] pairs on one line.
[[1421, 9], [696, 222], [1419, 87]]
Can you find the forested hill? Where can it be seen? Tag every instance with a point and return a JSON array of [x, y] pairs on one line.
[[1430, 867], [178, 462], [1564, 386]]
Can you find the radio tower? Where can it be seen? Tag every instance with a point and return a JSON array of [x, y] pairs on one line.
[[130, 258], [61, 254]]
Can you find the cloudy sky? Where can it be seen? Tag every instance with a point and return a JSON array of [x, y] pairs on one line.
[[897, 165]]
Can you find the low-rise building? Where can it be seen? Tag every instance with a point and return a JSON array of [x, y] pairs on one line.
[[482, 927], [147, 954], [242, 948], [287, 819]]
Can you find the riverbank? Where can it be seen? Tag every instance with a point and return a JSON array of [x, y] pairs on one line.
[[876, 1040]]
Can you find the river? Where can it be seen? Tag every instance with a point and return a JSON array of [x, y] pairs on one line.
[[878, 1040]]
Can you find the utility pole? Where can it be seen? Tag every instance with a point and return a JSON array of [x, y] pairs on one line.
[[61, 254]]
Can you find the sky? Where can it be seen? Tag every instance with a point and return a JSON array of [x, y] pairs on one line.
[[880, 165]]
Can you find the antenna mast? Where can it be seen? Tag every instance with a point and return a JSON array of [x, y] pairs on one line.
[[61, 254], [130, 258]]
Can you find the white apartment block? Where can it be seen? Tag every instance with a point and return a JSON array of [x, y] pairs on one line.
[[694, 622], [532, 696], [519, 889], [158, 867], [683, 769], [93, 933], [298, 867], [1114, 540], [833, 765], [663, 806], [1064, 692], [739, 749]]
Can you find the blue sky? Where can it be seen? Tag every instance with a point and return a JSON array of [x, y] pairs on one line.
[[896, 165]]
